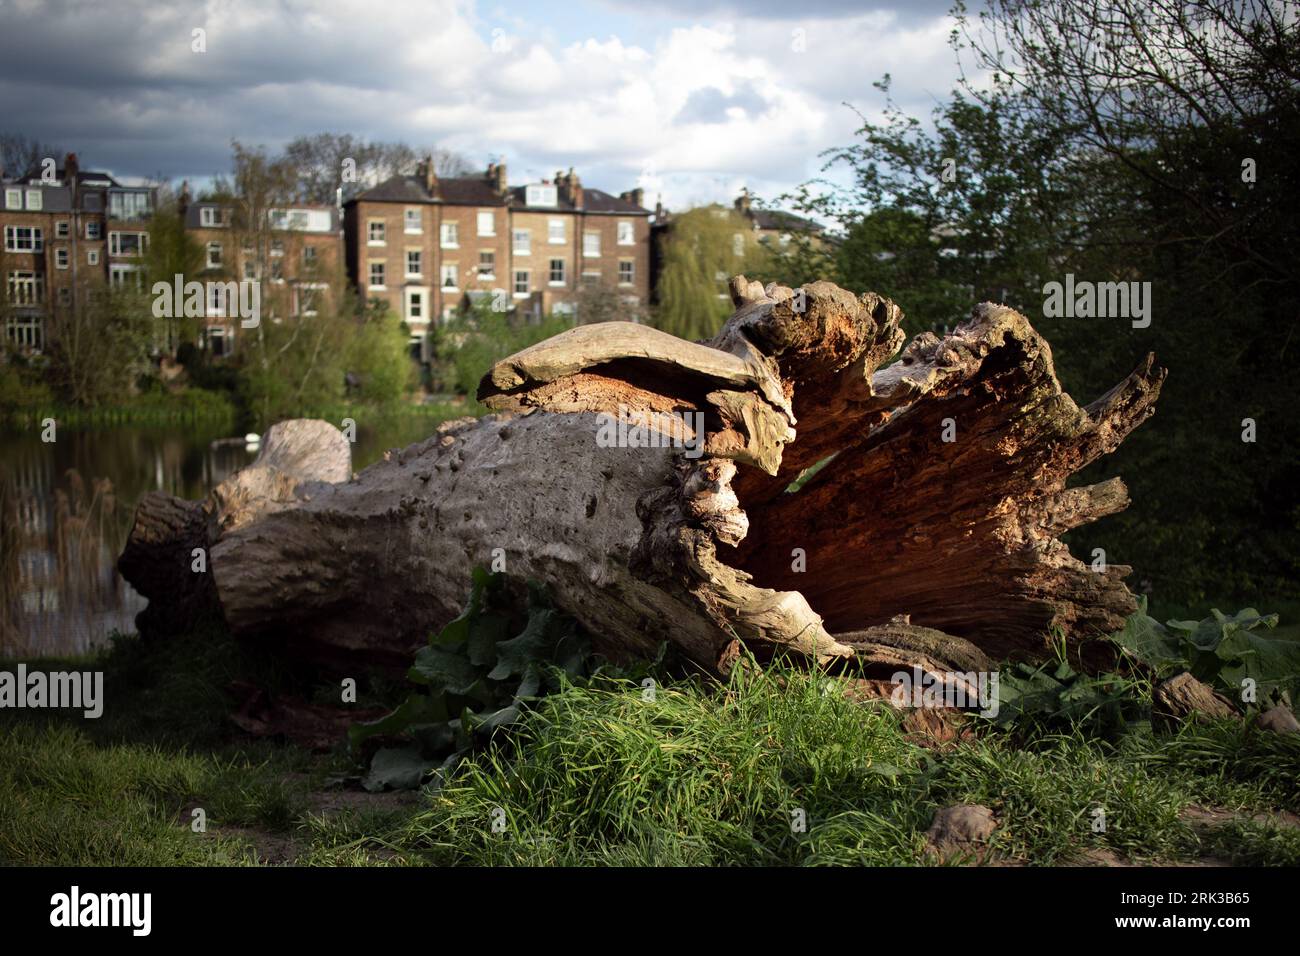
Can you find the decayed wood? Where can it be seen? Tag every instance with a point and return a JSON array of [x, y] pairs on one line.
[[692, 545]]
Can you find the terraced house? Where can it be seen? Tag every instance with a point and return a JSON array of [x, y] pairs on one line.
[[294, 252], [66, 230], [429, 245]]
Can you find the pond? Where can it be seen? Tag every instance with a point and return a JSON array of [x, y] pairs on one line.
[[66, 508]]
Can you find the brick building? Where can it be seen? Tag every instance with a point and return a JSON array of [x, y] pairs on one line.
[[429, 245], [295, 252], [65, 230]]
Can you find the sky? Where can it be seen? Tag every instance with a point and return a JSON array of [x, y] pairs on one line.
[[689, 99]]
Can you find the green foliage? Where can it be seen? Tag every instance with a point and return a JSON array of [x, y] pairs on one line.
[[1219, 650], [1056, 696], [468, 345], [700, 247], [473, 669]]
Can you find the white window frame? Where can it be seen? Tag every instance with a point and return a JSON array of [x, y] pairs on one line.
[[528, 283], [521, 242], [383, 274], [117, 273], [94, 231], [34, 241], [550, 274], [492, 274], [61, 259], [370, 232], [30, 281], [35, 200], [449, 235], [631, 271], [115, 243], [449, 269], [92, 257], [626, 232], [419, 263], [591, 244], [211, 247], [419, 221], [551, 229], [13, 199], [62, 229], [491, 218], [208, 217]]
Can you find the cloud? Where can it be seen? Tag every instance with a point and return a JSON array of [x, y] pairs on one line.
[[691, 109]]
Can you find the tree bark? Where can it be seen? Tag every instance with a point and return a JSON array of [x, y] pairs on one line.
[[929, 537]]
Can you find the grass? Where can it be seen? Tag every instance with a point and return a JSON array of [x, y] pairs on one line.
[[599, 775]]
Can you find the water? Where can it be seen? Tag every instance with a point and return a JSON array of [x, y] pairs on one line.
[[66, 508]]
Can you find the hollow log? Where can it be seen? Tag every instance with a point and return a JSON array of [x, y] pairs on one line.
[[646, 482]]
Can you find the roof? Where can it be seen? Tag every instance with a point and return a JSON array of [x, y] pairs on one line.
[[194, 215], [53, 198], [478, 191], [785, 221]]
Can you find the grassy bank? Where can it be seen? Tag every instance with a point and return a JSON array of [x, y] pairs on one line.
[[154, 408], [598, 774]]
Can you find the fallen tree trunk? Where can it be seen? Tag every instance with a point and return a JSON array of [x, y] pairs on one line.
[[930, 536]]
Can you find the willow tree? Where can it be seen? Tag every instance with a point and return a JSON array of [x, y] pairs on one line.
[[703, 247]]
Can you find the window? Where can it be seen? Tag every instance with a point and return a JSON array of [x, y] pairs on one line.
[[413, 264], [415, 304], [522, 242], [214, 255], [556, 274], [128, 205], [23, 239], [521, 282], [591, 243], [65, 297], [250, 269], [375, 232], [217, 340], [216, 298], [13, 199], [309, 256], [25, 331], [277, 270], [127, 243], [540, 195], [92, 257], [34, 198], [555, 232], [277, 247], [487, 264], [95, 230], [626, 271], [450, 235], [590, 276], [208, 217], [487, 224], [61, 258], [376, 275], [61, 229], [26, 288], [449, 277], [412, 223], [626, 235], [119, 275]]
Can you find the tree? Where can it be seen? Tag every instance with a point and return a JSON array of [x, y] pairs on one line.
[[172, 251], [22, 155], [325, 162], [700, 250]]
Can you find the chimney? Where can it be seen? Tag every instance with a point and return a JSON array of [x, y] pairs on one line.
[[660, 212], [428, 178], [742, 202], [635, 196], [70, 168], [183, 200], [497, 176], [573, 189]]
